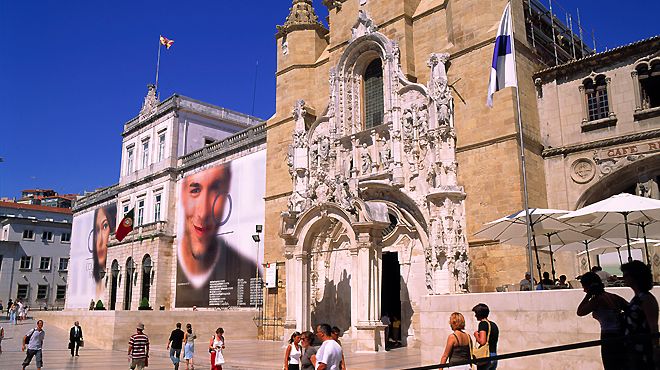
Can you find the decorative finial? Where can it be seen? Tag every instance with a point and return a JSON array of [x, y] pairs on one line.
[[301, 17], [150, 102]]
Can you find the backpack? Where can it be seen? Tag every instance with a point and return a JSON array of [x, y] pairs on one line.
[[28, 337]]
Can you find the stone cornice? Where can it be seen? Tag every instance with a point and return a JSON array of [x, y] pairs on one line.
[[94, 198], [250, 137], [569, 149]]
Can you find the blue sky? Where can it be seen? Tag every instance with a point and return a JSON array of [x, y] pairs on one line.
[[73, 71]]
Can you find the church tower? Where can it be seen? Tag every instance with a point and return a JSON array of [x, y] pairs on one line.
[[383, 160]]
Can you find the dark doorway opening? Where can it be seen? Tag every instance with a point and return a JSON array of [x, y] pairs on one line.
[[114, 284], [128, 281], [390, 298]]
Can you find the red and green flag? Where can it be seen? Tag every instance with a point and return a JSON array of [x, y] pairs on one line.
[[126, 225]]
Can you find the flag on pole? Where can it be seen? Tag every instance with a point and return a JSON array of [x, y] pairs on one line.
[[503, 69], [126, 225], [165, 41]]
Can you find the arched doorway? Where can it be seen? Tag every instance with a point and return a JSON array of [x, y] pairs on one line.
[[641, 177], [128, 283], [147, 269], [114, 271]]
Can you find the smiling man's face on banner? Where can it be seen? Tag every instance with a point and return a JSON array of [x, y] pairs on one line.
[[203, 198]]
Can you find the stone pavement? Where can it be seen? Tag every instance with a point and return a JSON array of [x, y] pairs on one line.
[[240, 355]]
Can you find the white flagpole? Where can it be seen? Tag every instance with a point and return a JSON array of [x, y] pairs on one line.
[[528, 218], [158, 63]]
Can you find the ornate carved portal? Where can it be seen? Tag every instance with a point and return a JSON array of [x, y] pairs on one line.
[[358, 176]]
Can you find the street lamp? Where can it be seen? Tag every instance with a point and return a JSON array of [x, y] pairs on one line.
[[257, 239]]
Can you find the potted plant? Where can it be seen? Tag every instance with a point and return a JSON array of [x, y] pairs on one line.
[[99, 306], [144, 304]]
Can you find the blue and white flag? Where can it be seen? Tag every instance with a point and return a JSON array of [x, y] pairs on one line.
[[503, 70]]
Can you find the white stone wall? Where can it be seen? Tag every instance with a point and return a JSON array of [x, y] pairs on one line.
[[527, 320]]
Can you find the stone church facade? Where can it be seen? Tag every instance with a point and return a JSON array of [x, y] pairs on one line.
[[375, 169]]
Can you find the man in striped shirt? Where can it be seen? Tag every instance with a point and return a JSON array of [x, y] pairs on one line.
[[138, 348]]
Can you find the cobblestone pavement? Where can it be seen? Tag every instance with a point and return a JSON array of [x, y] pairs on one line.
[[240, 355]]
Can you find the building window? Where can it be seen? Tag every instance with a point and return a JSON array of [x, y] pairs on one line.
[[22, 291], [157, 200], [65, 238], [596, 98], [26, 263], [208, 140], [28, 234], [373, 94], [145, 153], [0, 262], [648, 80], [44, 264], [47, 236], [60, 293], [140, 212], [129, 160], [161, 146], [42, 291], [125, 208], [64, 264]]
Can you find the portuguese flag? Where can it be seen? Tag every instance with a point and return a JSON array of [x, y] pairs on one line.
[[126, 225]]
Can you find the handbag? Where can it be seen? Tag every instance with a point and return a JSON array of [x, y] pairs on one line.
[[483, 351], [82, 343]]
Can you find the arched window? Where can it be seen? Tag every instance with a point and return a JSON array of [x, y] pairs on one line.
[[597, 101], [373, 94], [649, 85], [147, 269]]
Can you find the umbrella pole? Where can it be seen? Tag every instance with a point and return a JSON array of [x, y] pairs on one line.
[[625, 221], [586, 249], [536, 251], [646, 245], [618, 250], [552, 259]]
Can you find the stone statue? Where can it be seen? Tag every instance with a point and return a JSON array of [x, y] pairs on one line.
[[438, 88], [462, 269], [366, 159], [407, 123], [385, 155], [324, 147]]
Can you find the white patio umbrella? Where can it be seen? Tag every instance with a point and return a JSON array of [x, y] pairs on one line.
[[542, 221], [641, 231], [605, 248], [621, 207], [591, 245], [553, 239]]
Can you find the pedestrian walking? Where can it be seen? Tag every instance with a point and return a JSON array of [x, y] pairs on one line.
[[138, 349], [9, 304], [334, 332], [641, 316], [174, 344], [459, 344], [308, 353], [606, 308], [189, 347], [2, 336], [328, 356], [216, 346], [34, 340], [487, 334], [21, 310], [75, 338], [13, 310], [292, 353]]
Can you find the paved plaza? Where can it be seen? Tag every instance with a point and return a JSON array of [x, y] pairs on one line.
[[240, 355]]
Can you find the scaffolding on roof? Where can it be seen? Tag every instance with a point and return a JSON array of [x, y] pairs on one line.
[[554, 40]]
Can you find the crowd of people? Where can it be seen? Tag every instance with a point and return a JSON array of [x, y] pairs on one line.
[[626, 327], [322, 351], [546, 283], [16, 310]]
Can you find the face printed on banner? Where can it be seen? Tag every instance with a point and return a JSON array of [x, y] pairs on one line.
[[203, 198], [102, 235]]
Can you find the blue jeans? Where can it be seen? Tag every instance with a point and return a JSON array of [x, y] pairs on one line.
[[175, 356], [491, 365], [12, 318], [33, 353]]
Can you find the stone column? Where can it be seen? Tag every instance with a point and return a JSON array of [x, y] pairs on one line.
[[302, 303], [638, 98], [369, 335], [291, 288]]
